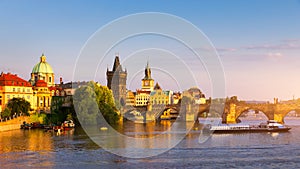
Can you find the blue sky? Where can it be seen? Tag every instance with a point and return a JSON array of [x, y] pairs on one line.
[[258, 41]]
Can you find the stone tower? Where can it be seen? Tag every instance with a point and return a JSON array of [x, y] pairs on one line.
[[116, 81], [147, 81]]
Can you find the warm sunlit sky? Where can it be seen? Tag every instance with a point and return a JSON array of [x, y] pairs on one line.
[[258, 41]]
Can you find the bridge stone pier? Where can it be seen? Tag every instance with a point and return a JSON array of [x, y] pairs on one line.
[[273, 111]]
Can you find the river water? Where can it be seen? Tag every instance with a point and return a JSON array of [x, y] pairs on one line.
[[74, 149]]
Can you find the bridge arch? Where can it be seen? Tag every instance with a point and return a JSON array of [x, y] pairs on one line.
[[168, 113], [257, 111], [234, 111], [296, 113]]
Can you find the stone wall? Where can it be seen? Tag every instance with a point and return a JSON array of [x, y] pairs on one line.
[[9, 127], [14, 123]]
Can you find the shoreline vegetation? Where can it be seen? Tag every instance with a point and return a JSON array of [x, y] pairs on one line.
[[82, 106]]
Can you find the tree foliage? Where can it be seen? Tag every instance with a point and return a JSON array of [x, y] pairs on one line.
[[58, 113], [39, 118], [93, 99], [6, 113], [19, 105]]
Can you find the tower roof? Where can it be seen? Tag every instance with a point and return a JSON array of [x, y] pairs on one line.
[[42, 66], [117, 65], [157, 87]]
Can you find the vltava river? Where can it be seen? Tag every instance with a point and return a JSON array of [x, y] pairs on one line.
[[73, 149]]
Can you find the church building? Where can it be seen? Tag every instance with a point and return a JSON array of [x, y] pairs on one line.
[[42, 71], [42, 80]]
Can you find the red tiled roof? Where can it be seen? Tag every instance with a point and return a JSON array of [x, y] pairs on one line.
[[9, 79], [143, 91], [41, 83]]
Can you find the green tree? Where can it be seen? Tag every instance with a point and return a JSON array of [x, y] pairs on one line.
[[93, 99], [6, 113], [19, 105]]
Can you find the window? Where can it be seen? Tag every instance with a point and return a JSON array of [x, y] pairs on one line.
[[14, 89], [19, 90], [8, 96], [49, 79], [23, 90]]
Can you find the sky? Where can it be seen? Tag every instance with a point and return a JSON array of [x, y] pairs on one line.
[[258, 43]]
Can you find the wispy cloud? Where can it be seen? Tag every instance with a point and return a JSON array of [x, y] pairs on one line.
[[290, 40], [226, 49], [286, 44], [274, 56]]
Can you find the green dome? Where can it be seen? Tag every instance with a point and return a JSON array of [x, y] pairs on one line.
[[42, 67]]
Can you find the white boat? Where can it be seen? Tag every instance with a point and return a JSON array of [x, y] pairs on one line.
[[270, 126]]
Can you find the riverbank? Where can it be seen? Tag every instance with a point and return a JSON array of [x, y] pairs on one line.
[[13, 124]]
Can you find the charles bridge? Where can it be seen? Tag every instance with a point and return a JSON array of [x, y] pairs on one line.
[[273, 111], [229, 109]]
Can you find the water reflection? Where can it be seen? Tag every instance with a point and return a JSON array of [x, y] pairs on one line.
[[21, 140], [137, 140], [74, 149], [26, 146]]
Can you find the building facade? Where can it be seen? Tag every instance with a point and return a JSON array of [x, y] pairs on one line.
[[130, 98], [42, 96], [142, 96], [116, 81], [158, 96], [42, 80], [12, 86]]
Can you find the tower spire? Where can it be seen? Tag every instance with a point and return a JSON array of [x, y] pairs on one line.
[[147, 71], [117, 65]]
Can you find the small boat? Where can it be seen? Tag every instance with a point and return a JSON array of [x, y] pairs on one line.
[[33, 125], [26, 126], [270, 126], [69, 124], [103, 128]]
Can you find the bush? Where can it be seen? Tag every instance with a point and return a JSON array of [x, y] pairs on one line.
[[40, 118]]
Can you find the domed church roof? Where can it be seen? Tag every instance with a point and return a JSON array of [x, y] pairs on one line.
[[42, 66]]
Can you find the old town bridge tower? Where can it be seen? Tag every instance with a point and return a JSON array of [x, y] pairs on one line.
[[116, 81]]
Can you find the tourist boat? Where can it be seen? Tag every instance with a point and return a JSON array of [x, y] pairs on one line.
[[270, 126]]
